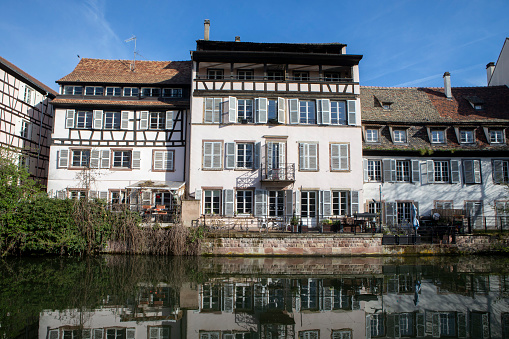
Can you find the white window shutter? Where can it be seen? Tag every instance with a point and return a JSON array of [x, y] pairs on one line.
[[21, 91], [431, 171], [92, 195], [294, 110], [69, 118], [313, 156], [477, 172], [230, 155], [326, 203], [415, 171], [390, 214], [325, 111], [352, 112], [424, 173], [98, 119], [289, 203], [282, 156], [216, 111], [344, 157], [197, 194], [303, 149], [63, 158], [260, 203], [103, 195], [158, 160], [216, 157], [105, 159], [270, 156], [136, 160], [228, 198], [207, 155], [124, 120], [388, 170], [281, 109], [365, 168], [61, 194], [455, 172], [208, 110], [169, 119], [335, 157], [261, 110], [354, 202], [232, 109], [95, 155], [297, 202], [144, 117], [257, 150]]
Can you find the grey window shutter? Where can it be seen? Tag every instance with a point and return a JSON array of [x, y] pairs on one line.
[[124, 120], [354, 202], [334, 157], [197, 194], [324, 107], [158, 160], [63, 158], [209, 110], [169, 119], [216, 112], [232, 109], [93, 194], [344, 157], [103, 195], [228, 196], [207, 155], [136, 159], [326, 203], [365, 167], [105, 159], [477, 172], [168, 161], [294, 110], [430, 167], [261, 110], [313, 156], [281, 109], [95, 155], [352, 112], [302, 156], [390, 214], [270, 157], [424, 173], [455, 171], [415, 171], [230, 155], [98, 119], [389, 170], [144, 116], [69, 118], [468, 171], [216, 155], [498, 171], [257, 150], [289, 203], [61, 194], [260, 203]]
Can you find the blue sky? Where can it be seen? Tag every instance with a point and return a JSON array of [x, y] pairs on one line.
[[404, 42]]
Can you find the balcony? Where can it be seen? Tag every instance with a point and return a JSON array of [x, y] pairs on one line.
[[284, 173]]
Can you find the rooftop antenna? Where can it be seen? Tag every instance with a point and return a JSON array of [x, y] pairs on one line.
[[134, 53]]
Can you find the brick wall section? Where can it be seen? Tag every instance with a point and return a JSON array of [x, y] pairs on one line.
[[298, 245]]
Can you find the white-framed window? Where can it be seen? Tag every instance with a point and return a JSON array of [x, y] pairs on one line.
[[472, 171], [26, 129], [338, 113], [245, 110], [404, 212], [163, 160], [441, 170], [309, 203], [120, 333], [340, 202], [151, 92], [215, 74], [374, 170], [300, 76], [159, 332], [372, 135], [157, 120], [73, 90], [342, 334], [121, 159], [29, 95], [374, 207], [386, 106], [94, 90], [496, 136], [308, 156], [80, 158], [403, 170], [131, 91], [245, 74], [84, 119], [437, 136], [78, 194], [276, 75], [466, 136], [307, 112], [113, 91], [339, 157], [312, 334], [212, 154], [244, 155], [112, 120], [478, 107], [444, 204], [399, 136], [500, 171], [211, 201], [172, 92], [276, 203], [244, 202]]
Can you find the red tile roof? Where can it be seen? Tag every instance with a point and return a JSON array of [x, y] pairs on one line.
[[119, 71], [129, 103], [27, 77]]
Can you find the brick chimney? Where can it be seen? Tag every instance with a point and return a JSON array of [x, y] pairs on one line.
[[207, 29], [237, 38], [447, 85], [490, 68]]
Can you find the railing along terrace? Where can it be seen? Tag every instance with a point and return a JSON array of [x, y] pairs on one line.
[[285, 172], [277, 79]]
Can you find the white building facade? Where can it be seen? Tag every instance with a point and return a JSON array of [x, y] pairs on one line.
[[275, 130]]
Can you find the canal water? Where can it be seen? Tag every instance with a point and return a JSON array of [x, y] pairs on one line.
[[114, 297]]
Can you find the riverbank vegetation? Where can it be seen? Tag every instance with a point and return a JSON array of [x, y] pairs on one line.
[[33, 223]]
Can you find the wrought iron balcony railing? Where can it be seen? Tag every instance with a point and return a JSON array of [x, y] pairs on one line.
[[284, 172]]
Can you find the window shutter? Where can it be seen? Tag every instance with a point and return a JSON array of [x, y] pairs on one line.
[[216, 112], [21, 91], [230, 155], [53, 334], [63, 158], [61, 194], [92, 194], [124, 120], [105, 159], [169, 119], [282, 157], [498, 171], [289, 203], [354, 202], [94, 158], [207, 154], [424, 173], [344, 158], [352, 112], [477, 172], [144, 116], [313, 156], [261, 110], [69, 118], [415, 171], [260, 203], [365, 167], [468, 171], [197, 194], [216, 157], [158, 160], [130, 333], [98, 119], [431, 171], [270, 157], [294, 110], [302, 156], [326, 204], [257, 150], [455, 171], [297, 203], [324, 107], [281, 109], [228, 197], [103, 195], [389, 170], [168, 161], [209, 110], [136, 159], [232, 109], [335, 157], [390, 214]]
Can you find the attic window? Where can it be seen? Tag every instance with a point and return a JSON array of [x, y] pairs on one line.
[[386, 105], [476, 102], [478, 107]]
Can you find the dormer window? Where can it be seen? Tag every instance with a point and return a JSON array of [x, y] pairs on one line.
[[73, 90], [476, 102], [478, 107], [399, 136], [90, 90], [466, 136], [151, 92], [172, 92], [113, 91], [496, 136], [371, 135], [386, 105], [437, 136]]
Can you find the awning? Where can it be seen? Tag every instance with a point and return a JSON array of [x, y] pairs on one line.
[[157, 185]]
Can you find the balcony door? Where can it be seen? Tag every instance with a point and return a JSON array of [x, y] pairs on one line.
[[309, 205], [276, 161]]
